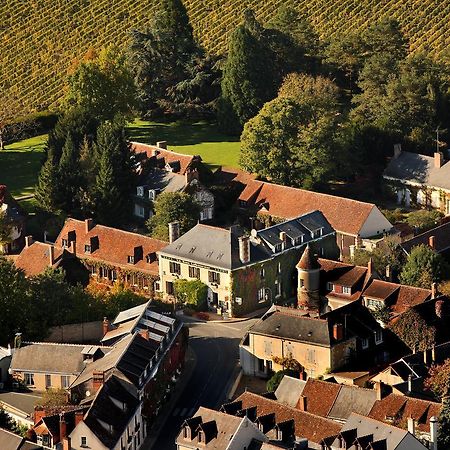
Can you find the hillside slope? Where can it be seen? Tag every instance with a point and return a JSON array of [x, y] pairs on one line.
[[39, 39]]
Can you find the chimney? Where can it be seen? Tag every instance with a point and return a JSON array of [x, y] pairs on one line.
[[438, 160], [105, 325], [433, 433], [397, 150], [39, 413], [388, 273], [98, 378], [410, 383], [338, 331], [244, 249], [431, 242], [302, 375], [174, 231], [62, 427], [191, 174], [51, 255], [283, 239], [426, 360], [89, 224], [67, 445], [379, 390], [78, 417], [74, 247], [162, 144], [370, 267], [303, 403], [145, 334], [411, 426], [28, 241], [433, 354], [434, 290]]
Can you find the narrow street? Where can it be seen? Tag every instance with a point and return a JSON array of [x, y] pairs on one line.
[[216, 348]]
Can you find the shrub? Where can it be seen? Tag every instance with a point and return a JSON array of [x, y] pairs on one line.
[[192, 293]]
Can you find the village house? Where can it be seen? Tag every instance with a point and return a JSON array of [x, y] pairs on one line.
[[437, 238], [419, 179], [316, 343], [14, 215], [244, 273], [162, 170], [355, 222]]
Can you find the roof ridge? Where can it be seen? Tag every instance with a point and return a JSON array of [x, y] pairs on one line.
[[61, 344], [163, 149]]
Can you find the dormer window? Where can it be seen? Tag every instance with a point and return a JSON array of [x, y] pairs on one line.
[[262, 273], [298, 240], [87, 248], [151, 194], [278, 248], [130, 259], [140, 191], [346, 290], [330, 286]]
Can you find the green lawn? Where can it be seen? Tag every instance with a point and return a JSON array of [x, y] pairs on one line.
[[20, 163], [201, 138]]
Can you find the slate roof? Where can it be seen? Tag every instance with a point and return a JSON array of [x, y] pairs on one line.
[[289, 390], [34, 259], [114, 245], [48, 358], [225, 425], [345, 215], [312, 427], [103, 409], [9, 440], [166, 156], [20, 401], [441, 239], [418, 169], [219, 247], [352, 399], [165, 181], [397, 409]]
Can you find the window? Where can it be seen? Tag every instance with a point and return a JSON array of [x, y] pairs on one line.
[[260, 365], [130, 259], [302, 282], [139, 211], [268, 348], [65, 243], [152, 194], [83, 441], [278, 248], [87, 248], [214, 277], [65, 381], [378, 337], [200, 436], [346, 290], [93, 270], [298, 240], [157, 286], [169, 287], [175, 268], [330, 286], [365, 343], [238, 300], [373, 304], [194, 272], [262, 273], [140, 191], [29, 379], [261, 295], [48, 380], [311, 355], [269, 365]]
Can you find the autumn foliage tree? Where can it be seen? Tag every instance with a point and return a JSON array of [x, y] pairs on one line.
[[438, 379]]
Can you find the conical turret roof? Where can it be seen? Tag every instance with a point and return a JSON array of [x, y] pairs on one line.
[[308, 261]]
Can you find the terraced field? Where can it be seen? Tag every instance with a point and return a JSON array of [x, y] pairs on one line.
[[40, 39]]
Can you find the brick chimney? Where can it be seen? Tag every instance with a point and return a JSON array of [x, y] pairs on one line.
[[39, 413], [88, 224], [162, 144], [62, 427], [28, 241], [338, 331], [105, 325], [98, 378], [431, 242], [303, 403], [78, 417], [51, 255], [434, 291], [379, 390], [438, 160], [145, 334], [370, 267], [67, 444], [174, 231]]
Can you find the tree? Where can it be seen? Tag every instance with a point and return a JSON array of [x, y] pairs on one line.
[[443, 437], [423, 267], [54, 398], [6, 229], [5, 420], [102, 85], [192, 293], [11, 110], [423, 220], [438, 379], [275, 380], [47, 190], [248, 81], [170, 207], [287, 144]]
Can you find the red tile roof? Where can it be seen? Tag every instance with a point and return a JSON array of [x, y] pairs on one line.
[[440, 234], [320, 396], [167, 155], [399, 408], [34, 259], [114, 245], [308, 261], [345, 215], [310, 426]]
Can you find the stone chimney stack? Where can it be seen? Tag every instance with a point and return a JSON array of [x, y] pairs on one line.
[[89, 224], [431, 242], [28, 241], [174, 231], [370, 267], [244, 249], [438, 160], [51, 255]]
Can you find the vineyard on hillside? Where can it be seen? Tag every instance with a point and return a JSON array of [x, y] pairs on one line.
[[40, 39]]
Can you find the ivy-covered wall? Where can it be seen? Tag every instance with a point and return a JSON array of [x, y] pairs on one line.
[[246, 282]]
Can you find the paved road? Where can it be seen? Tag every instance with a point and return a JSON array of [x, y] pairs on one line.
[[216, 347]]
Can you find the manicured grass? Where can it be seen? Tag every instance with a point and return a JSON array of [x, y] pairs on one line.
[[20, 163], [200, 138]]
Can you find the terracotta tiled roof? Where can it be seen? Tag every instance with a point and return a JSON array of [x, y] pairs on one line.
[[398, 408], [167, 155], [114, 245], [379, 289], [441, 236], [345, 215], [320, 396], [228, 175], [409, 296], [340, 273], [310, 426], [308, 261], [34, 259]]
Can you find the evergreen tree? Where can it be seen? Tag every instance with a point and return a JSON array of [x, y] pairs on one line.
[[248, 80], [47, 190]]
